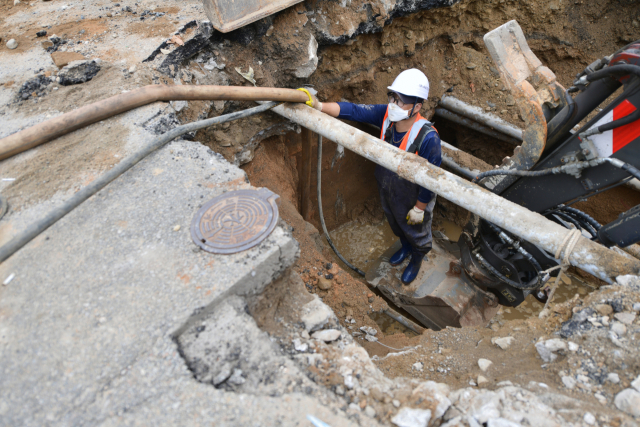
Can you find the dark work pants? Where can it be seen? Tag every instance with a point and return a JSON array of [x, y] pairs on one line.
[[398, 196]]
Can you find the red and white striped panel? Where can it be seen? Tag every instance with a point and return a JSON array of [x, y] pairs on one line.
[[611, 141]]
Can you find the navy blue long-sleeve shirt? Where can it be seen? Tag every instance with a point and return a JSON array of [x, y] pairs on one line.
[[374, 115]]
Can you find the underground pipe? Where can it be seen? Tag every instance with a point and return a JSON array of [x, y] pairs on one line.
[[463, 121], [532, 227], [476, 114], [33, 230], [101, 110]]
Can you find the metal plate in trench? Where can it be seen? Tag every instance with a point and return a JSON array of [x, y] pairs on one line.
[[235, 221]]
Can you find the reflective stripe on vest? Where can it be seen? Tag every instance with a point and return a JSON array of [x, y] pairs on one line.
[[410, 136]]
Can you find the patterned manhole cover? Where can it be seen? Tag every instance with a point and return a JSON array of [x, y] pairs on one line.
[[235, 221]]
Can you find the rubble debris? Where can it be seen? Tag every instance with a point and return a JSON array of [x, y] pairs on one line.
[[53, 44], [409, 417], [327, 335], [548, 349], [248, 75], [36, 86], [77, 72]]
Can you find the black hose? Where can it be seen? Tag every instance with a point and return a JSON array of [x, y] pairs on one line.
[[324, 226], [56, 214], [559, 169], [595, 224], [584, 225], [533, 284], [508, 240], [620, 122], [613, 70]]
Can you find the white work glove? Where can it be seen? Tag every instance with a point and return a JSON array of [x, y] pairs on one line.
[[415, 216], [313, 102]]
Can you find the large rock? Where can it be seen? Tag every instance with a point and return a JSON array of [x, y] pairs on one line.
[[628, 401], [409, 417], [316, 314]]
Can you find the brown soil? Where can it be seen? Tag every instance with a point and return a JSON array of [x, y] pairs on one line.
[[605, 207]]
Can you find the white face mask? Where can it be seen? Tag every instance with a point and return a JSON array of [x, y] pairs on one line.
[[396, 113]]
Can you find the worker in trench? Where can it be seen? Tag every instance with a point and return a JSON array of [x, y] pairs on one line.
[[407, 206]]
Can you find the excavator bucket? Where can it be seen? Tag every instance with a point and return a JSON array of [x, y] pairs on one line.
[[442, 295], [534, 88], [228, 15]]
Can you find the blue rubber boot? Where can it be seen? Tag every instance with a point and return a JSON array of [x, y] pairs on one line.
[[401, 254], [413, 268]]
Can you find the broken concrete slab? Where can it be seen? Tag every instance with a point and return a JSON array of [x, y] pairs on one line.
[[113, 283]]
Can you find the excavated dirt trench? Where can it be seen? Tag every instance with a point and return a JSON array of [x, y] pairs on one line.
[[447, 45]]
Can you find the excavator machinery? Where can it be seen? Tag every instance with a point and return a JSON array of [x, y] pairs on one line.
[[573, 147]]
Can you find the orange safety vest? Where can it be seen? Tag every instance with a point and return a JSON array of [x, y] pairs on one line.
[[410, 136]]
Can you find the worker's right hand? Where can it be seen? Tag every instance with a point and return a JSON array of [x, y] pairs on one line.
[[313, 102]]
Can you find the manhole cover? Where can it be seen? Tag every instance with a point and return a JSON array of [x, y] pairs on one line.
[[235, 221]]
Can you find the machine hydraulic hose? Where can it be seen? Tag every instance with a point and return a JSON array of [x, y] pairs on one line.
[[101, 110]]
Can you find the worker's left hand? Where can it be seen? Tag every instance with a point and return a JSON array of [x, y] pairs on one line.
[[415, 216]]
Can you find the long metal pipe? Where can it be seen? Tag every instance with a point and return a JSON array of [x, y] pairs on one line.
[[532, 227], [476, 114], [461, 120]]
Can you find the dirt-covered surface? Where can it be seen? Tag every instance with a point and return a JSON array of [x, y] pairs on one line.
[[349, 51]]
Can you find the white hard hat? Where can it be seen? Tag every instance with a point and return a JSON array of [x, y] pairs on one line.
[[411, 82]]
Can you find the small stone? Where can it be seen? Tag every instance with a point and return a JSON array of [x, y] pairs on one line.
[[569, 382], [77, 72], [636, 306], [369, 411], [409, 417], [600, 398], [12, 44], [604, 309], [555, 344], [176, 228], [304, 334], [368, 330], [132, 69], [627, 317], [396, 403], [41, 33], [628, 401], [236, 378], [618, 328], [573, 347], [482, 381], [300, 346], [504, 342], [324, 283], [62, 59], [484, 364], [589, 418], [545, 354], [471, 66], [327, 335], [613, 377], [636, 383], [418, 366], [370, 338]]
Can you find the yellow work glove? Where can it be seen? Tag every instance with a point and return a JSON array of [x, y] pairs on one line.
[[313, 102], [415, 216]]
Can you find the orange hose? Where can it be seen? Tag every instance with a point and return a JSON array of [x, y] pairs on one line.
[[101, 110]]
